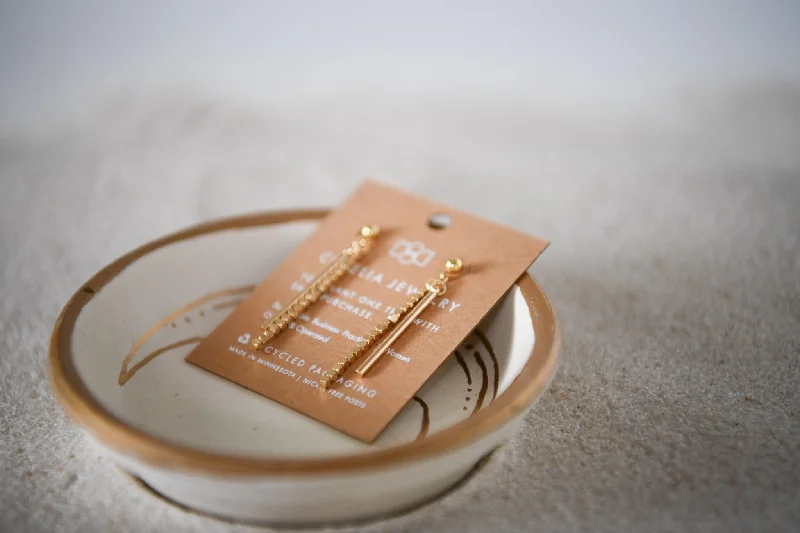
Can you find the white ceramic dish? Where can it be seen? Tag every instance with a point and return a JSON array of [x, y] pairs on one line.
[[116, 361]]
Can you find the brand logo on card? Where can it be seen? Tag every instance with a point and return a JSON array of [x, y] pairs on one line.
[[411, 253]]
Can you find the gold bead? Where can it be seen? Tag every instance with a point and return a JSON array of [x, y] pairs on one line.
[[370, 231], [454, 265]]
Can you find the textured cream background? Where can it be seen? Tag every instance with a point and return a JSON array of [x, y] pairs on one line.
[[674, 216], [675, 267]]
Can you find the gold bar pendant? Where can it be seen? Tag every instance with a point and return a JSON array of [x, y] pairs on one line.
[[398, 330], [393, 326]]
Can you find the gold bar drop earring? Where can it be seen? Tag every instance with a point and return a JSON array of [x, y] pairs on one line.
[[398, 322], [319, 285]]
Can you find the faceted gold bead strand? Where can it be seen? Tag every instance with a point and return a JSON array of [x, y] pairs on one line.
[[297, 307], [317, 287]]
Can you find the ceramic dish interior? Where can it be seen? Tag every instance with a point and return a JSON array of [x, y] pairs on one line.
[[117, 361]]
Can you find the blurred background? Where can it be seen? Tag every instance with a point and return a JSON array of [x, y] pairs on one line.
[[61, 60], [219, 109], [656, 144]]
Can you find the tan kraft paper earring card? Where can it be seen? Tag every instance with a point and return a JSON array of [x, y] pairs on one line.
[[407, 253]]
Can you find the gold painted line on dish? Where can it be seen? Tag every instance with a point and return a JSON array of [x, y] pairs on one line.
[[484, 382], [125, 375], [226, 305], [426, 418], [172, 317], [463, 365], [496, 365]]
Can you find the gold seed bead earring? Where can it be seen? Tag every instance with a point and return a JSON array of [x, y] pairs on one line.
[[361, 245]]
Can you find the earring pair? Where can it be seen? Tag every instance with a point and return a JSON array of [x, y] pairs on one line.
[[387, 331]]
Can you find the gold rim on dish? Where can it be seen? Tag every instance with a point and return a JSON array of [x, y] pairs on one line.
[[115, 433]]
